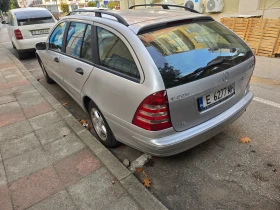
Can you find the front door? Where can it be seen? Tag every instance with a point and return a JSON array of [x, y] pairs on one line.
[[53, 53], [76, 63]]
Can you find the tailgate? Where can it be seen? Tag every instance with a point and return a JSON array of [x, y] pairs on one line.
[[34, 31]]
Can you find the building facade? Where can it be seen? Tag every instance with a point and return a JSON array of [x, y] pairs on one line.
[[231, 7]]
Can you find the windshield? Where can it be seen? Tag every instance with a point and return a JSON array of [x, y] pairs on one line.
[[192, 51], [33, 17]]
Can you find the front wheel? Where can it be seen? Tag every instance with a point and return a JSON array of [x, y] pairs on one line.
[[101, 127], [21, 54], [47, 77]]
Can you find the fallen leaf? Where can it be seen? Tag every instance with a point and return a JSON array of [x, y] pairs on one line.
[[139, 169], [245, 140], [65, 104], [84, 123], [147, 182], [38, 79]]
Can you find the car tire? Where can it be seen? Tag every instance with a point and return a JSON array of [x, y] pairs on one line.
[[13, 45], [101, 126], [20, 54], [47, 77]]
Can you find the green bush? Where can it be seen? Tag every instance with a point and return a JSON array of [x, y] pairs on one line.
[[64, 7], [91, 4], [113, 4]]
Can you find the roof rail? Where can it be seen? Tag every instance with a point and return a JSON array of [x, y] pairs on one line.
[[98, 13], [164, 6]]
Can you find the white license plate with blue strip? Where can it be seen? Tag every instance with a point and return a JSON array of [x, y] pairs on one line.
[[212, 99]]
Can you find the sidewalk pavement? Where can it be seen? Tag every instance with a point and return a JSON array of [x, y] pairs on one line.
[[49, 160]]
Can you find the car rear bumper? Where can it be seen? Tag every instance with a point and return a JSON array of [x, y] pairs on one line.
[[181, 141], [28, 44]]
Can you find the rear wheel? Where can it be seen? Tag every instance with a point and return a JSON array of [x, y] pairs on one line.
[[101, 127], [47, 77], [13, 45]]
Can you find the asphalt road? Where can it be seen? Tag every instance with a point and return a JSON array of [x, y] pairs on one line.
[[221, 173]]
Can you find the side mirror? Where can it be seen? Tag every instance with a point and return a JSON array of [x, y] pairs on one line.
[[41, 46]]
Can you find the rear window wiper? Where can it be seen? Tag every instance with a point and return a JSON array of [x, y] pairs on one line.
[[210, 64]]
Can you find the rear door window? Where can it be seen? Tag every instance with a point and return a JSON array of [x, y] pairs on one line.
[[115, 55], [188, 52], [74, 38], [33, 17]]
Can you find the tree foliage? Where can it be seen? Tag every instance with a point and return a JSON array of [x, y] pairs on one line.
[[91, 4], [13, 4], [4, 5], [64, 7], [112, 4]]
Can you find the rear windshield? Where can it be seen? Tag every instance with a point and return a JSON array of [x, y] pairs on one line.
[[192, 51], [33, 17]]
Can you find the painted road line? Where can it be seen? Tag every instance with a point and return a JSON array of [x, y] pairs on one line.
[[264, 101]]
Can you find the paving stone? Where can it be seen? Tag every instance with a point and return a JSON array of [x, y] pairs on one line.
[[31, 101], [3, 179], [22, 88], [5, 199], [44, 120], [35, 110], [59, 201], [123, 203], [5, 92], [80, 164], [7, 65], [113, 164], [18, 83], [26, 94], [87, 192], [25, 164], [43, 91], [18, 146], [11, 117], [15, 130], [4, 86], [63, 147], [52, 100], [53, 132], [10, 107], [7, 99], [34, 188]]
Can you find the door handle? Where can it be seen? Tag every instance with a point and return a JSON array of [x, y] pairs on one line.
[[56, 59], [79, 71]]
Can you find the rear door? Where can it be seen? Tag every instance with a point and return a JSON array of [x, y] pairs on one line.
[[76, 64], [34, 23], [204, 66]]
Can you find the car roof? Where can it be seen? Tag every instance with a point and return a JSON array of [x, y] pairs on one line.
[[140, 18], [27, 9]]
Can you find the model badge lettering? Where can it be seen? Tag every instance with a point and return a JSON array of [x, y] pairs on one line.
[[178, 97]]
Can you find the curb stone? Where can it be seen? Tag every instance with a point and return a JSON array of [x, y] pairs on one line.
[[129, 182]]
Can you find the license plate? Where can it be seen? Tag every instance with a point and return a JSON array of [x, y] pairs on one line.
[[210, 100], [39, 32]]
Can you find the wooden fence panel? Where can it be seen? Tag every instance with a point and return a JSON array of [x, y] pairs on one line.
[[262, 35]]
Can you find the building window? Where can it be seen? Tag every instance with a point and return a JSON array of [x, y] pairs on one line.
[[269, 4]]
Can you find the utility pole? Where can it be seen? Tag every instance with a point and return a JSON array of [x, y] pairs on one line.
[[264, 7]]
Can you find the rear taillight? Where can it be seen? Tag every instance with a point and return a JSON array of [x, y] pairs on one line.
[[18, 34], [153, 113]]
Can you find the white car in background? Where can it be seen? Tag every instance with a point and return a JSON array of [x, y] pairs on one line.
[[28, 26]]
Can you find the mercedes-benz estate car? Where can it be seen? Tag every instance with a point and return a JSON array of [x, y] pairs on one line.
[[161, 81], [28, 26]]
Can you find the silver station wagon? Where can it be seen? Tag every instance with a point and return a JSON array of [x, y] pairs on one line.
[[161, 81]]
